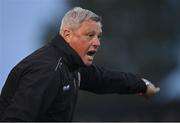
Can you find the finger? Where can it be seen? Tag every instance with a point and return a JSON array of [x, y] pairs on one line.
[[157, 89]]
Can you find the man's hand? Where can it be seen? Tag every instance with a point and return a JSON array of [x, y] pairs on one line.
[[151, 89]]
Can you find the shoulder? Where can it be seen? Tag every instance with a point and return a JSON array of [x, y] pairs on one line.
[[42, 59]]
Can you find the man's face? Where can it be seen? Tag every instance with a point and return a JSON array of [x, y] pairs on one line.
[[86, 40]]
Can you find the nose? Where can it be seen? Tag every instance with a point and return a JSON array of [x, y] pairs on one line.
[[96, 42]]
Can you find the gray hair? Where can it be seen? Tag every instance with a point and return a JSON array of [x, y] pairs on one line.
[[74, 17]]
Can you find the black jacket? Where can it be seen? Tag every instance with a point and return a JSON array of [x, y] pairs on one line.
[[44, 86]]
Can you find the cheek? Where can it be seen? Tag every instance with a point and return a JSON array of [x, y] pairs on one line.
[[82, 47]]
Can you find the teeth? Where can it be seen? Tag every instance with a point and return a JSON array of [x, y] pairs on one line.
[[90, 57]]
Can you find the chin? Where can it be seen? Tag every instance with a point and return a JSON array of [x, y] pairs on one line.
[[88, 63]]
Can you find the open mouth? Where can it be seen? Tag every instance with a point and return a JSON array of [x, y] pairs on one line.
[[91, 53]]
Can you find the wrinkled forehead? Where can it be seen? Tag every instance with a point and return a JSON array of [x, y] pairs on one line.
[[91, 24], [96, 20]]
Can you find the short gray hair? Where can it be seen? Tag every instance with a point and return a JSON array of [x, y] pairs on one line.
[[74, 17]]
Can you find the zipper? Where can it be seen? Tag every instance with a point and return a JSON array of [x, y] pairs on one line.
[[74, 81]]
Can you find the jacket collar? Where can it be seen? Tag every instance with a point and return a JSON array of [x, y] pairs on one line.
[[70, 57]]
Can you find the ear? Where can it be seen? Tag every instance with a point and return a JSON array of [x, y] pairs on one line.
[[67, 34]]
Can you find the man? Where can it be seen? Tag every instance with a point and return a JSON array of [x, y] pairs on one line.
[[44, 86]]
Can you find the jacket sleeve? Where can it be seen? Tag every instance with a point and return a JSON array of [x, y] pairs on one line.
[[102, 81], [36, 91]]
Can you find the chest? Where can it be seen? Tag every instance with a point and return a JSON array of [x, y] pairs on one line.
[[70, 82]]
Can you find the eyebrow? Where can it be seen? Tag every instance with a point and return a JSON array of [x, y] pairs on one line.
[[95, 32]]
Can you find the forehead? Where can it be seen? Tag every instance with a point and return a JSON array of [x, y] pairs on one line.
[[90, 25]]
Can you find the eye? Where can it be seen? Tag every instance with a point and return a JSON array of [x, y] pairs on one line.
[[90, 35], [99, 36]]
